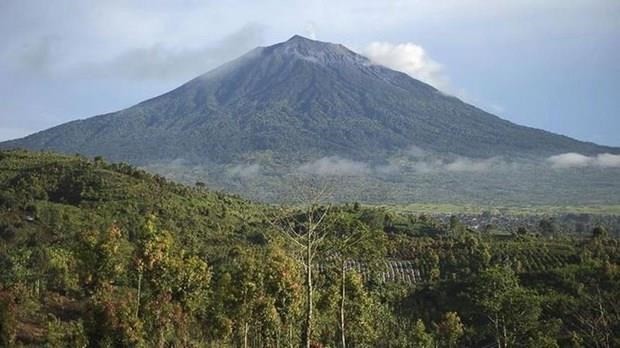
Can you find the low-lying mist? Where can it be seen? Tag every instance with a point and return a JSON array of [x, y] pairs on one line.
[[576, 160]]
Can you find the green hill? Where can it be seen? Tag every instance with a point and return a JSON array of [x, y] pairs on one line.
[[72, 227], [51, 189]]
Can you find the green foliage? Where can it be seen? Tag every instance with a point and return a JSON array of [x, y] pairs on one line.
[[258, 293], [134, 260], [420, 337], [110, 318], [547, 226], [599, 232], [62, 334], [360, 307], [61, 270], [449, 330]]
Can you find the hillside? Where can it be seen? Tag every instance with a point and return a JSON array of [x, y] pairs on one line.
[[74, 232], [49, 191], [99, 254]]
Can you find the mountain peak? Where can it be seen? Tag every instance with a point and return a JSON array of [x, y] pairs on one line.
[[302, 41], [316, 51], [298, 37]]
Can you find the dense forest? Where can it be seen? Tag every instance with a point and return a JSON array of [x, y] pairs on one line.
[[106, 255]]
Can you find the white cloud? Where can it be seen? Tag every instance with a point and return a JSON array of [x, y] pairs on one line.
[[310, 30], [425, 167], [577, 160], [570, 160], [608, 160], [459, 165], [471, 165], [387, 169], [335, 166], [409, 58]]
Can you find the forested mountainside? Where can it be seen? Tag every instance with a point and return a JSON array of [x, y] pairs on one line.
[[306, 105], [100, 254], [299, 100]]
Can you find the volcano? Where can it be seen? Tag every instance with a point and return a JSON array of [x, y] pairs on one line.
[[294, 102], [299, 99]]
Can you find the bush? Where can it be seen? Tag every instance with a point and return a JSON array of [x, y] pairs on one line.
[[66, 334]]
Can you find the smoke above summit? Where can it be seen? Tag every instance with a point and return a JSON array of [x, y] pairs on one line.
[[409, 58]]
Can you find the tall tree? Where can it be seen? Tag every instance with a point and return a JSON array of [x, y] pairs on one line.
[[512, 311], [351, 242], [420, 337], [255, 293], [449, 330], [305, 229], [175, 283]]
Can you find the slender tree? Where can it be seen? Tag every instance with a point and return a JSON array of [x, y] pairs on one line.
[[303, 225], [352, 241], [512, 311]]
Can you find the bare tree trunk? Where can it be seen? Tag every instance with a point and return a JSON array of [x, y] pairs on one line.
[[505, 333], [290, 335], [139, 294], [309, 292], [497, 332], [342, 299], [307, 239], [246, 328]]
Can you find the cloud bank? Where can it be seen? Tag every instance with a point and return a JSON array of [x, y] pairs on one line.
[[335, 166], [459, 165], [577, 160], [472, 165], [338, 166], [409, 58]]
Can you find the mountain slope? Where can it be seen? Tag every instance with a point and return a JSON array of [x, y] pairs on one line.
[[299, 100]]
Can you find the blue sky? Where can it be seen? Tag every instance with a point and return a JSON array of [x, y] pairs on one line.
[[546, 64]]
